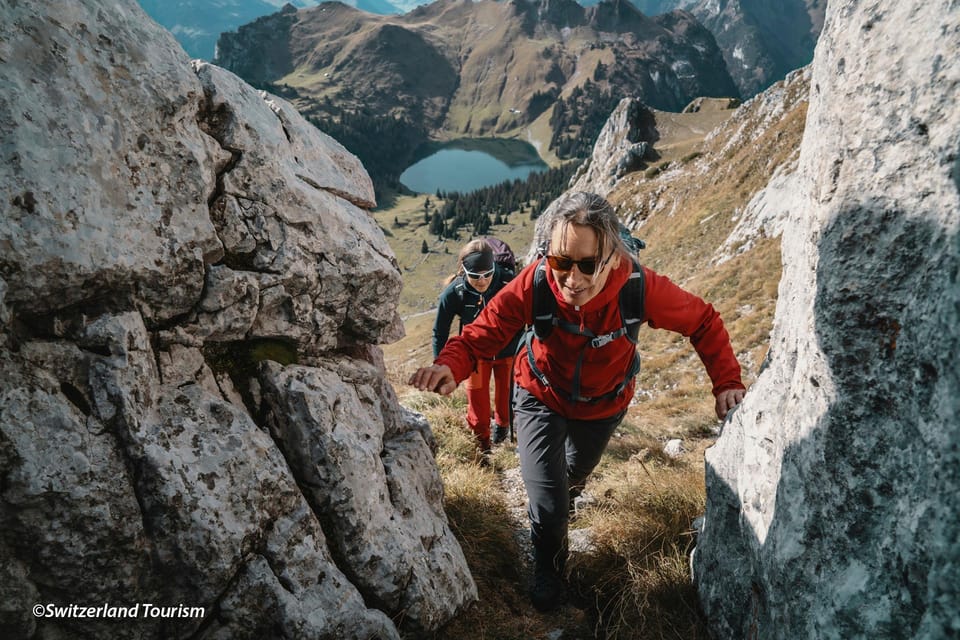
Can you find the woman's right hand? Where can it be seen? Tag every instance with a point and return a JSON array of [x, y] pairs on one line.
[[436, 378]]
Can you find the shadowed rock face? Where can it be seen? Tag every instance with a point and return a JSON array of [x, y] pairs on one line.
[[834, 492], [169, 237]]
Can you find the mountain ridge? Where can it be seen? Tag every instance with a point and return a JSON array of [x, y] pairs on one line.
[[760, 44], [474, 68]]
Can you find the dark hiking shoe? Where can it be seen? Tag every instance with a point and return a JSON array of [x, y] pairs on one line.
[[500, 434], [483, 444], [548, 592], [484, 452]]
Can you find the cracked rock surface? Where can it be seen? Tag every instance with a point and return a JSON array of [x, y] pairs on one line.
[[833, 493], [193, 408]]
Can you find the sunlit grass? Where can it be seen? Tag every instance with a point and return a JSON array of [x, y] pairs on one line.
[[635, 572]]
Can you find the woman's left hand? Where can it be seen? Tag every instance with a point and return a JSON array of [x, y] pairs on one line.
[[727, 400]]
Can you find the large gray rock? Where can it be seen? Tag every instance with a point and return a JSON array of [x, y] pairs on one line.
[[166, 228], [373, 494], [105, 178], [833, 506], [620, 148]]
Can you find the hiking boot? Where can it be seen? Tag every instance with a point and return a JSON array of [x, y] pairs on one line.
[[548, 592], [483, 444], [500, 434], [484, 452]]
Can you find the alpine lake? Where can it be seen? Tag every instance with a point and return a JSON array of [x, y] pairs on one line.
[[468, 164]]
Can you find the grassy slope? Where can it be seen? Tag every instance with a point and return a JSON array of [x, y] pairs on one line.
[[636, 573]]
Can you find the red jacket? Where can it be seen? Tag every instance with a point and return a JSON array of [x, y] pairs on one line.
[[666, 306]]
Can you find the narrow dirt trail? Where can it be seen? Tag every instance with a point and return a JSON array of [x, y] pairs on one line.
[[568, 622]]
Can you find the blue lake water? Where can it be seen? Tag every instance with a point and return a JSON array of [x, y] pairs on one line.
[[451, 169]]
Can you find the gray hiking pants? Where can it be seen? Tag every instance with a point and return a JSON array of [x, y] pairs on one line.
[[556, 453]]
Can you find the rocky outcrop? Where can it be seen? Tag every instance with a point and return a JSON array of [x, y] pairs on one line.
[[834, 491], [193, 408], [627, 143], [620, 148], [269, 35], [761, 41]]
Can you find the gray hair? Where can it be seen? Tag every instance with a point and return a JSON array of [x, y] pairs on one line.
[[578, 207]]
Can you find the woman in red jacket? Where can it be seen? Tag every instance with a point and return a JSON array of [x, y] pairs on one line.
[[574, 383]]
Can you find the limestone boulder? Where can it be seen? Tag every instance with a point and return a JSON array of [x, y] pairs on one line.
[[833, 493], [382, 500], [168, 230]]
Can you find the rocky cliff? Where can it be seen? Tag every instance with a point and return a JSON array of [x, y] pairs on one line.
[[761, 41], [193, 409], [834, 491]]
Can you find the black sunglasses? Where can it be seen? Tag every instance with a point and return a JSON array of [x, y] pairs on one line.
[[587, 266]]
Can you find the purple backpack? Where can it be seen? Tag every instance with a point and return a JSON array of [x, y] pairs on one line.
[[502, 254]]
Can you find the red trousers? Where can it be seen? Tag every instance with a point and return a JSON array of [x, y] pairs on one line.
[[478, 395]]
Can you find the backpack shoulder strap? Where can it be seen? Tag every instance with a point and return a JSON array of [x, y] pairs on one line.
[[544, 304], [631, 304], [632, 296], [460, 287], [469, 300]]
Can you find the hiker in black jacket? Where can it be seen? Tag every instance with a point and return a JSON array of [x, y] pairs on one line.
[[477, 280]]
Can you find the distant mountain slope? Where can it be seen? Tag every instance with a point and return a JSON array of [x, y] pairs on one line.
[[196, 24], [761, 40], [476, 68]]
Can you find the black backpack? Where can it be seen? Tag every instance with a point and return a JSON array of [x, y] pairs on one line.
[[631, 300]]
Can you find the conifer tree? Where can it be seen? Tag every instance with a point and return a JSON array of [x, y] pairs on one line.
[[436, 224]]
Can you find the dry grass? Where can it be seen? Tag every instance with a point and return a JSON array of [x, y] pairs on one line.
[[477, 511], [635, 573], [478, 517]]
